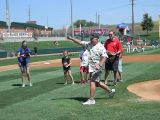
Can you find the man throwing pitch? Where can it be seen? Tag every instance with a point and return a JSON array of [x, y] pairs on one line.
[[97, 57]]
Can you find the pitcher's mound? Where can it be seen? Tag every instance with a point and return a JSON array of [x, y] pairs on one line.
[[149, 90]]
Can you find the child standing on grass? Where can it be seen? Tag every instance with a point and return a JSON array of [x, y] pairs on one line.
[[66, 63], [84, 65]]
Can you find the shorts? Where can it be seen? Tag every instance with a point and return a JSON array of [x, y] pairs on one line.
[[23, 66], [84, 68], [112, 64], [95, 76], [66, 69]]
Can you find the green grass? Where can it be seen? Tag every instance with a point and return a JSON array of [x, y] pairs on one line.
[[148, 51], [150, 36], [52, 57], [13, 46], [49, 99], [35, 59]]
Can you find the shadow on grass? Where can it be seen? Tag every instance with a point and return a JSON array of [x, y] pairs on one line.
[[60, 83], [77, 82], [81, 99], [16, 84]]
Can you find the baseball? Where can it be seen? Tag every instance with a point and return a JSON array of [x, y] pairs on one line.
[[113, 90]]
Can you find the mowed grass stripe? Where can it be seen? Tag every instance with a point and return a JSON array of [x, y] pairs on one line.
[[50, 103], [12, 96], [35, 78], [130, 70], [50, 84], [64, 103], [11, 75]]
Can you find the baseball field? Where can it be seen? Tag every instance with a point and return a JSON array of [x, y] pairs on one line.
[[136, 98]]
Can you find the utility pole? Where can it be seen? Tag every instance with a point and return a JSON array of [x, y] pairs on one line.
[[96, 18], [132, 3], [29, 13], [99, 21], [159, 25], [72, 19], [47, 21], [7, 16]]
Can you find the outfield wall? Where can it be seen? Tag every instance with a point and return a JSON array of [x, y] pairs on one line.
[[33, 39]]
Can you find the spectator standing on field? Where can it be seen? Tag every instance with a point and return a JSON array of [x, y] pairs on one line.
[[84, 65], [129, 44], [35, 50], [119, 74], [23, 55], [114, 48], [97, 56], [66, 63]]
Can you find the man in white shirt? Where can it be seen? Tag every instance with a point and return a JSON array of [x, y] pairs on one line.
[[97, 57]]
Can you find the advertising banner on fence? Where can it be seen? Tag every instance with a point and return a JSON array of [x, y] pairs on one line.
[[17, 34]]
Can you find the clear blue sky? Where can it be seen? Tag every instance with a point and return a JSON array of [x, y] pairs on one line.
[[58, 11]]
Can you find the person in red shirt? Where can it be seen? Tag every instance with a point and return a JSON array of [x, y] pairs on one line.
[[114, 48]]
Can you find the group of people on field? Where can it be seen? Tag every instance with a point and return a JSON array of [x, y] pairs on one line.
[[93, 56]]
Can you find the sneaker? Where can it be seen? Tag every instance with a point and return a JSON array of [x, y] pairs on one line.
[[114, 83], [120, 80], [86, 81], [82, 81], [30, 84], [23, 85], [65, 83], [89, 102], [111, 94]]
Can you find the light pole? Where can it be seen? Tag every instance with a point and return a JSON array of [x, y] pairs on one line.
[[133, 17], [99, 21], [159, 25], [7, 16], [72, 19]]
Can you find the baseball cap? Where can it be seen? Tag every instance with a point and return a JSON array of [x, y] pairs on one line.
[[94, 36]]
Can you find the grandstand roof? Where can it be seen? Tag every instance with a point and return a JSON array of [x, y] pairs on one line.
[[3, 24], [23, 25]]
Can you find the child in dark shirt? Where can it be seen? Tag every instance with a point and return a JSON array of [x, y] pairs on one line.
[[66, 63]]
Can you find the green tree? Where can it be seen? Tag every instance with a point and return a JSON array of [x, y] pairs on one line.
[[90, 23], [147, 23], [82, 22]]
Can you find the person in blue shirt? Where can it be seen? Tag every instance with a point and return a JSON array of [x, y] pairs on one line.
[[23, 55]]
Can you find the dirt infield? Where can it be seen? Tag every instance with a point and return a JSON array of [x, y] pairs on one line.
[[148, 90]]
